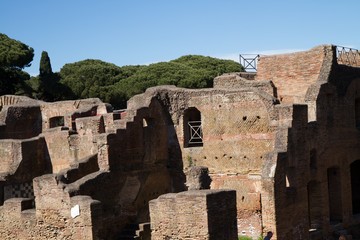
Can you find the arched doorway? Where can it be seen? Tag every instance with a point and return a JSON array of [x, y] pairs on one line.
[[355, 186]]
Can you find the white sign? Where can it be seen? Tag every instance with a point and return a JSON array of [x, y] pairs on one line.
[[75, 211]]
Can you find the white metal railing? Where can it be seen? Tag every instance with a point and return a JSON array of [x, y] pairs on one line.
[[249, 61], [195, 132]]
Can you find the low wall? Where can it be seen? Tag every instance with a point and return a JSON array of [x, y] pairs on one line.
[[198, 214]]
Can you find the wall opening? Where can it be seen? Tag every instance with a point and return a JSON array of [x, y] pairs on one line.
[[355, 186], [313, 164], [357, 113], [315, 204], [335, 201], [193, 136], [149, 140], [56, 121], [290, 177]]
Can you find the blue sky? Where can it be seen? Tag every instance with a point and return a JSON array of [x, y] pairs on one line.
[[130, 32]]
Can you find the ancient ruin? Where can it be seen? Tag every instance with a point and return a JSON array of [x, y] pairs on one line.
[[286, 139]]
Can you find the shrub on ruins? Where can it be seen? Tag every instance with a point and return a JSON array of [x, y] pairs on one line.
[[14, 56]]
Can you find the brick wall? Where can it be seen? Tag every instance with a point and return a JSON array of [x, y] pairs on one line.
[[243, 80], [228, 80], [232, 125], [52, 217], [237, 127], [202, 214], [248, 189], [292, 73]]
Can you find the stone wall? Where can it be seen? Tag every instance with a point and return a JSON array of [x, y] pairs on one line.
[[237, 130], [20, 121], [119, 166], [197, 214], [294, 167], [310, 173], [248, 201], [293, 73], [52, 218], [71, 110], [244, 80]]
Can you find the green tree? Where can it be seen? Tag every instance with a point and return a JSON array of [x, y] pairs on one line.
[[45, 80], [45, 65], [113, 84], [46, 86], [191, 71], [84, 78], [14, 56]]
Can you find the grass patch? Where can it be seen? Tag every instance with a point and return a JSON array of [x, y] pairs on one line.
[[245, 238], [249, 238]]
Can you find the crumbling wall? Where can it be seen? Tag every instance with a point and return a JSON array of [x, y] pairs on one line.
[[21, 161], [71, 110], [311, 171], [125, 166], [20, 121], [196, 214], [282, 170], [52, 218], [244, 80], [294, 167], [237, 130], [293, 73]]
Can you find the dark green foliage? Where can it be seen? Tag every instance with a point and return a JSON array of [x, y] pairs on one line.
[[46, 86], [94, 78], [45, 65], [14, 56], [13, 81], [212, 65], [85, 78], [163, 73]]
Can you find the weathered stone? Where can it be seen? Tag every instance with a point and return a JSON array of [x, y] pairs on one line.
[[287, 140], [198, 178]]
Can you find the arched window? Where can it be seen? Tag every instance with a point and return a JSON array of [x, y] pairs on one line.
[[192, 128]]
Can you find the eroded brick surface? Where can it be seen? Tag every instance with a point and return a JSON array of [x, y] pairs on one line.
[[286, 140]]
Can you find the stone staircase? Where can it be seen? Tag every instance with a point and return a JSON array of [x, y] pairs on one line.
[[135, 231]]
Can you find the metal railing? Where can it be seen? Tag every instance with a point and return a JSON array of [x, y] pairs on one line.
[[348, 56], [195, 132], [249, 61]]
